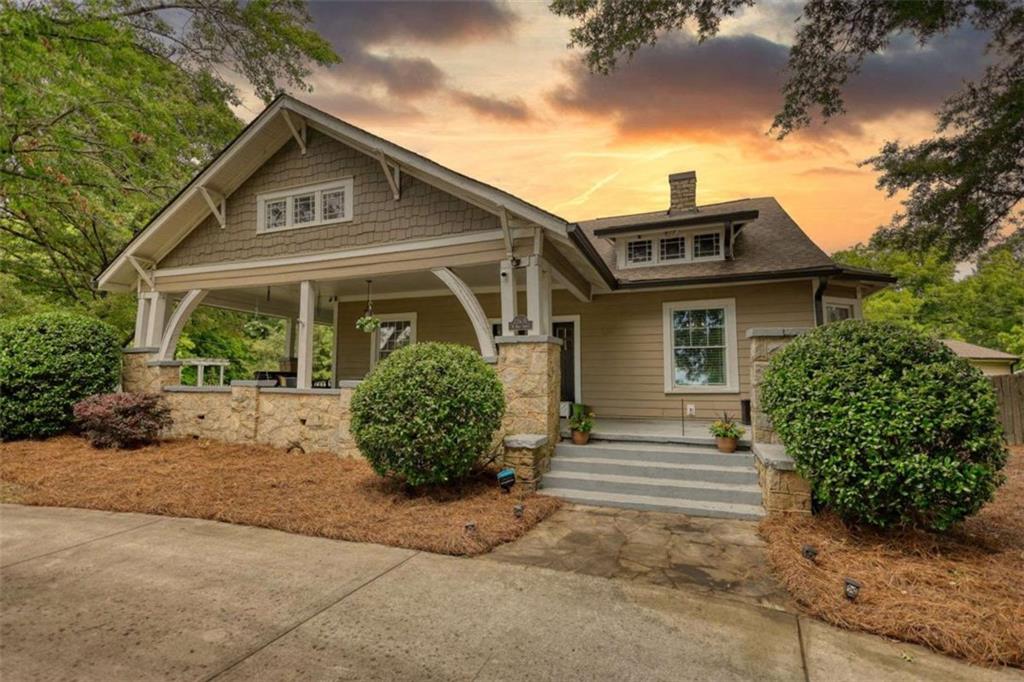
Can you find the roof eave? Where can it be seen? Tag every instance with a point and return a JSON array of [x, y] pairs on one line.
[[678, 221]]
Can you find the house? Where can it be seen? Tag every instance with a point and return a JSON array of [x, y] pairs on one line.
[[990, 361], [653, 316]]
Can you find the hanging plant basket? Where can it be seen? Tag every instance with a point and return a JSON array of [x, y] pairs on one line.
[[368, 324]]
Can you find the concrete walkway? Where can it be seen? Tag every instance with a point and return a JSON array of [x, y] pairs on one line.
[[89, 595]]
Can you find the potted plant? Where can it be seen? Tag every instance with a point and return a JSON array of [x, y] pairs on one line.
[[368, 324], [726, 432], [581, 423]]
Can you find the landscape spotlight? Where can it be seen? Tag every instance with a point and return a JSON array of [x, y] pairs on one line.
[[810, 552], [851, 588], [507, 479], [518, 510]]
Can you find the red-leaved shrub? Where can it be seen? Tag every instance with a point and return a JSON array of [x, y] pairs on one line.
[[122, 420]]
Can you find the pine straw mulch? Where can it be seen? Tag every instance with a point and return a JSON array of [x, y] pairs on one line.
[[959, 593], [316, 494]]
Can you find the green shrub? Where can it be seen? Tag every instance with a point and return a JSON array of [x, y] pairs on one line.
[[889, 426], [48, 362], [427, 413]]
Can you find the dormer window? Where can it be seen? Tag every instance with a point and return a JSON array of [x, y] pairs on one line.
[[670, 247], [639, 252], [708, 245], [310, 206]]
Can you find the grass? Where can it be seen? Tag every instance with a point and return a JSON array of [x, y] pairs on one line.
[[318, 494], [959, 593]]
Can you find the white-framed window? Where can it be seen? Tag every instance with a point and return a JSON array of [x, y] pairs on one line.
[[838, 309], [671, 246], [639, 252], [396, 331], [309, 206], [707, 245], [701, 346]]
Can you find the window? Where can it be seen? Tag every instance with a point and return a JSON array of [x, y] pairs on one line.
[[310, 206], [670, 246], [673, 248], [395, 331], [639, 251], [700, 347], [839, 309], [707, 245]]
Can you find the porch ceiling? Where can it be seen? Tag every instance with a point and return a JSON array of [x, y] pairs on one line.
[[283, 300]]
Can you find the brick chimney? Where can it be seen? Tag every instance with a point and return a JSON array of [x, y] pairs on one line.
[[683, 191]]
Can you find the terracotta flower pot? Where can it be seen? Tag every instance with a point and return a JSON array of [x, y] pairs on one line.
[[726, 444], [581, 437]]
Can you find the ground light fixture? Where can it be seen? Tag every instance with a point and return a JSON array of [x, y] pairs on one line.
[[851, 588], [810, 552], [518, 510], [507, 479]]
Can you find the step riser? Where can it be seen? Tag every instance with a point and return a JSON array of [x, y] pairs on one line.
[[654, 490], [671, 457], [692, 511], [741, 476]]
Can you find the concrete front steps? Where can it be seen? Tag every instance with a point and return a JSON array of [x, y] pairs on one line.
[[690, 479]]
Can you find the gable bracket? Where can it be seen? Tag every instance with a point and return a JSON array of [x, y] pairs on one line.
[[299, 133], [144, 268], [215, 200], [506, 232], [392, 173]]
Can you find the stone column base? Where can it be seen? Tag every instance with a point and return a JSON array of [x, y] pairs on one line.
[[783, 490], [530, 456]]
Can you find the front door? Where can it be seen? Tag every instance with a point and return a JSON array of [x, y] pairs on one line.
[[566, 331]]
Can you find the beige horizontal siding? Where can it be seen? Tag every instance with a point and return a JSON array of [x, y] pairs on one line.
[[621, 341], [422, 212]]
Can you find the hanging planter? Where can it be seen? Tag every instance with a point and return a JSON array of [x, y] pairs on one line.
[[368, 323]]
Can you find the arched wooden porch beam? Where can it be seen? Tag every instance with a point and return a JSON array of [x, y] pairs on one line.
[[468, 299], [189, 302]]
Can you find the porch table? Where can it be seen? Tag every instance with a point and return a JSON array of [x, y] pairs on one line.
[[202, 363]]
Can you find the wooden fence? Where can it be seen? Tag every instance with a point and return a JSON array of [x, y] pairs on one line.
[[1010, 395]]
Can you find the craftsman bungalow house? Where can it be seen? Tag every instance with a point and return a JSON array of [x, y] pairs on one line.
[[643, 316]]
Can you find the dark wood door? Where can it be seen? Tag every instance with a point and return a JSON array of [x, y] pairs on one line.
[[566, 332]]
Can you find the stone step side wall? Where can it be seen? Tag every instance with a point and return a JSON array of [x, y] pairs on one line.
[[783, 490]]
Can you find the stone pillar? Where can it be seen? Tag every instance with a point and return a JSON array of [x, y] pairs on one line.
[[783, 490], [245, 404], [143, 372], [764, 343], [530, 370]]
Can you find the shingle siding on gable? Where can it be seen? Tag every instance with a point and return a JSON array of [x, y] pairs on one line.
[[421, 213]]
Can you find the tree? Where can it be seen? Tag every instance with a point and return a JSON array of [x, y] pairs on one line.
[[966, 184], [985, 307], [108, 107]]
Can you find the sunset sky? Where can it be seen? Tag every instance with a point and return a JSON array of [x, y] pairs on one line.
[[491, 90]]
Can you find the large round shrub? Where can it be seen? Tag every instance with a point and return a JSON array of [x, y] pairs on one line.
[[48, 362], [889, 426], [427, 412]]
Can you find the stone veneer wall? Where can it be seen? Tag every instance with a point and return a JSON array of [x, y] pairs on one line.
[[783, 490], [141, 372], [529, 367]]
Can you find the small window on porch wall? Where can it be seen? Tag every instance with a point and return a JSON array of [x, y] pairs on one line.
[[394, 332]]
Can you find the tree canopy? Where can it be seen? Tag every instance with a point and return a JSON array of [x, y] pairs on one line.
[[966, 184], [108, 107]]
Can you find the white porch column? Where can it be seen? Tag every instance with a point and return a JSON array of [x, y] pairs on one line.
[[335, 317], [538, 296], [509, 300], [157, 317], [307, 319], [289, 337], [141, 320]]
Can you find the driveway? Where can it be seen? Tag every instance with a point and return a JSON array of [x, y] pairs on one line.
[[90, 595]]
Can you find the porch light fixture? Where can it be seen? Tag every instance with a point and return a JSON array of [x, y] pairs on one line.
[[507, 479], [851, 588]]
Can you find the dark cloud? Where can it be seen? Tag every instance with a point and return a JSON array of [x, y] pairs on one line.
[[514, 110], [358, 30], [731, 85]]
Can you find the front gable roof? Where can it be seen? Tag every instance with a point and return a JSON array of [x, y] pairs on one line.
[[256, 144]]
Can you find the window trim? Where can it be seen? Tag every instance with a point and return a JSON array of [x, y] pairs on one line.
[[688, 235], [732, 369], [375, 336], [826, 301], [290, 193]]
